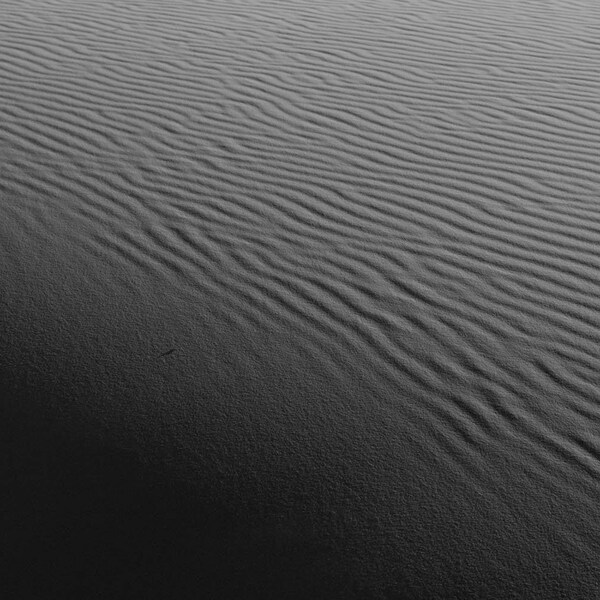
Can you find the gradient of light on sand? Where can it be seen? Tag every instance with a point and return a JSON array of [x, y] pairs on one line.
[[300, 299]]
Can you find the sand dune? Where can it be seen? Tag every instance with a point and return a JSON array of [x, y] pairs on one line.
[[300, 299]]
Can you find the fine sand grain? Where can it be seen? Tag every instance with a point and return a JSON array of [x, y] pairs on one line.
[[300, 299]]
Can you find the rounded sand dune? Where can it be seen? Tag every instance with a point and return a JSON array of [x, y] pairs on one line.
[[300, 300]]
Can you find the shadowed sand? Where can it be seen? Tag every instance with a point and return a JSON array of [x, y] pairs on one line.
[[300, 300]]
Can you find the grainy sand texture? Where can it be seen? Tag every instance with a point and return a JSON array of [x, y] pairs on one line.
[[300, 299]]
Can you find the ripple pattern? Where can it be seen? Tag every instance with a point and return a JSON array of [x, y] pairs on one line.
[[410, 190]]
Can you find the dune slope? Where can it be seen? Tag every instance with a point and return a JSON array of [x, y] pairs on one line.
[[300, 299]]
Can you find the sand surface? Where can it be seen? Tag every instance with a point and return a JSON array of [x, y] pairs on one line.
[[300, 299]]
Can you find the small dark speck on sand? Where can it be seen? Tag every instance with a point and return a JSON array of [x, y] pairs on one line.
[[166, 353]]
